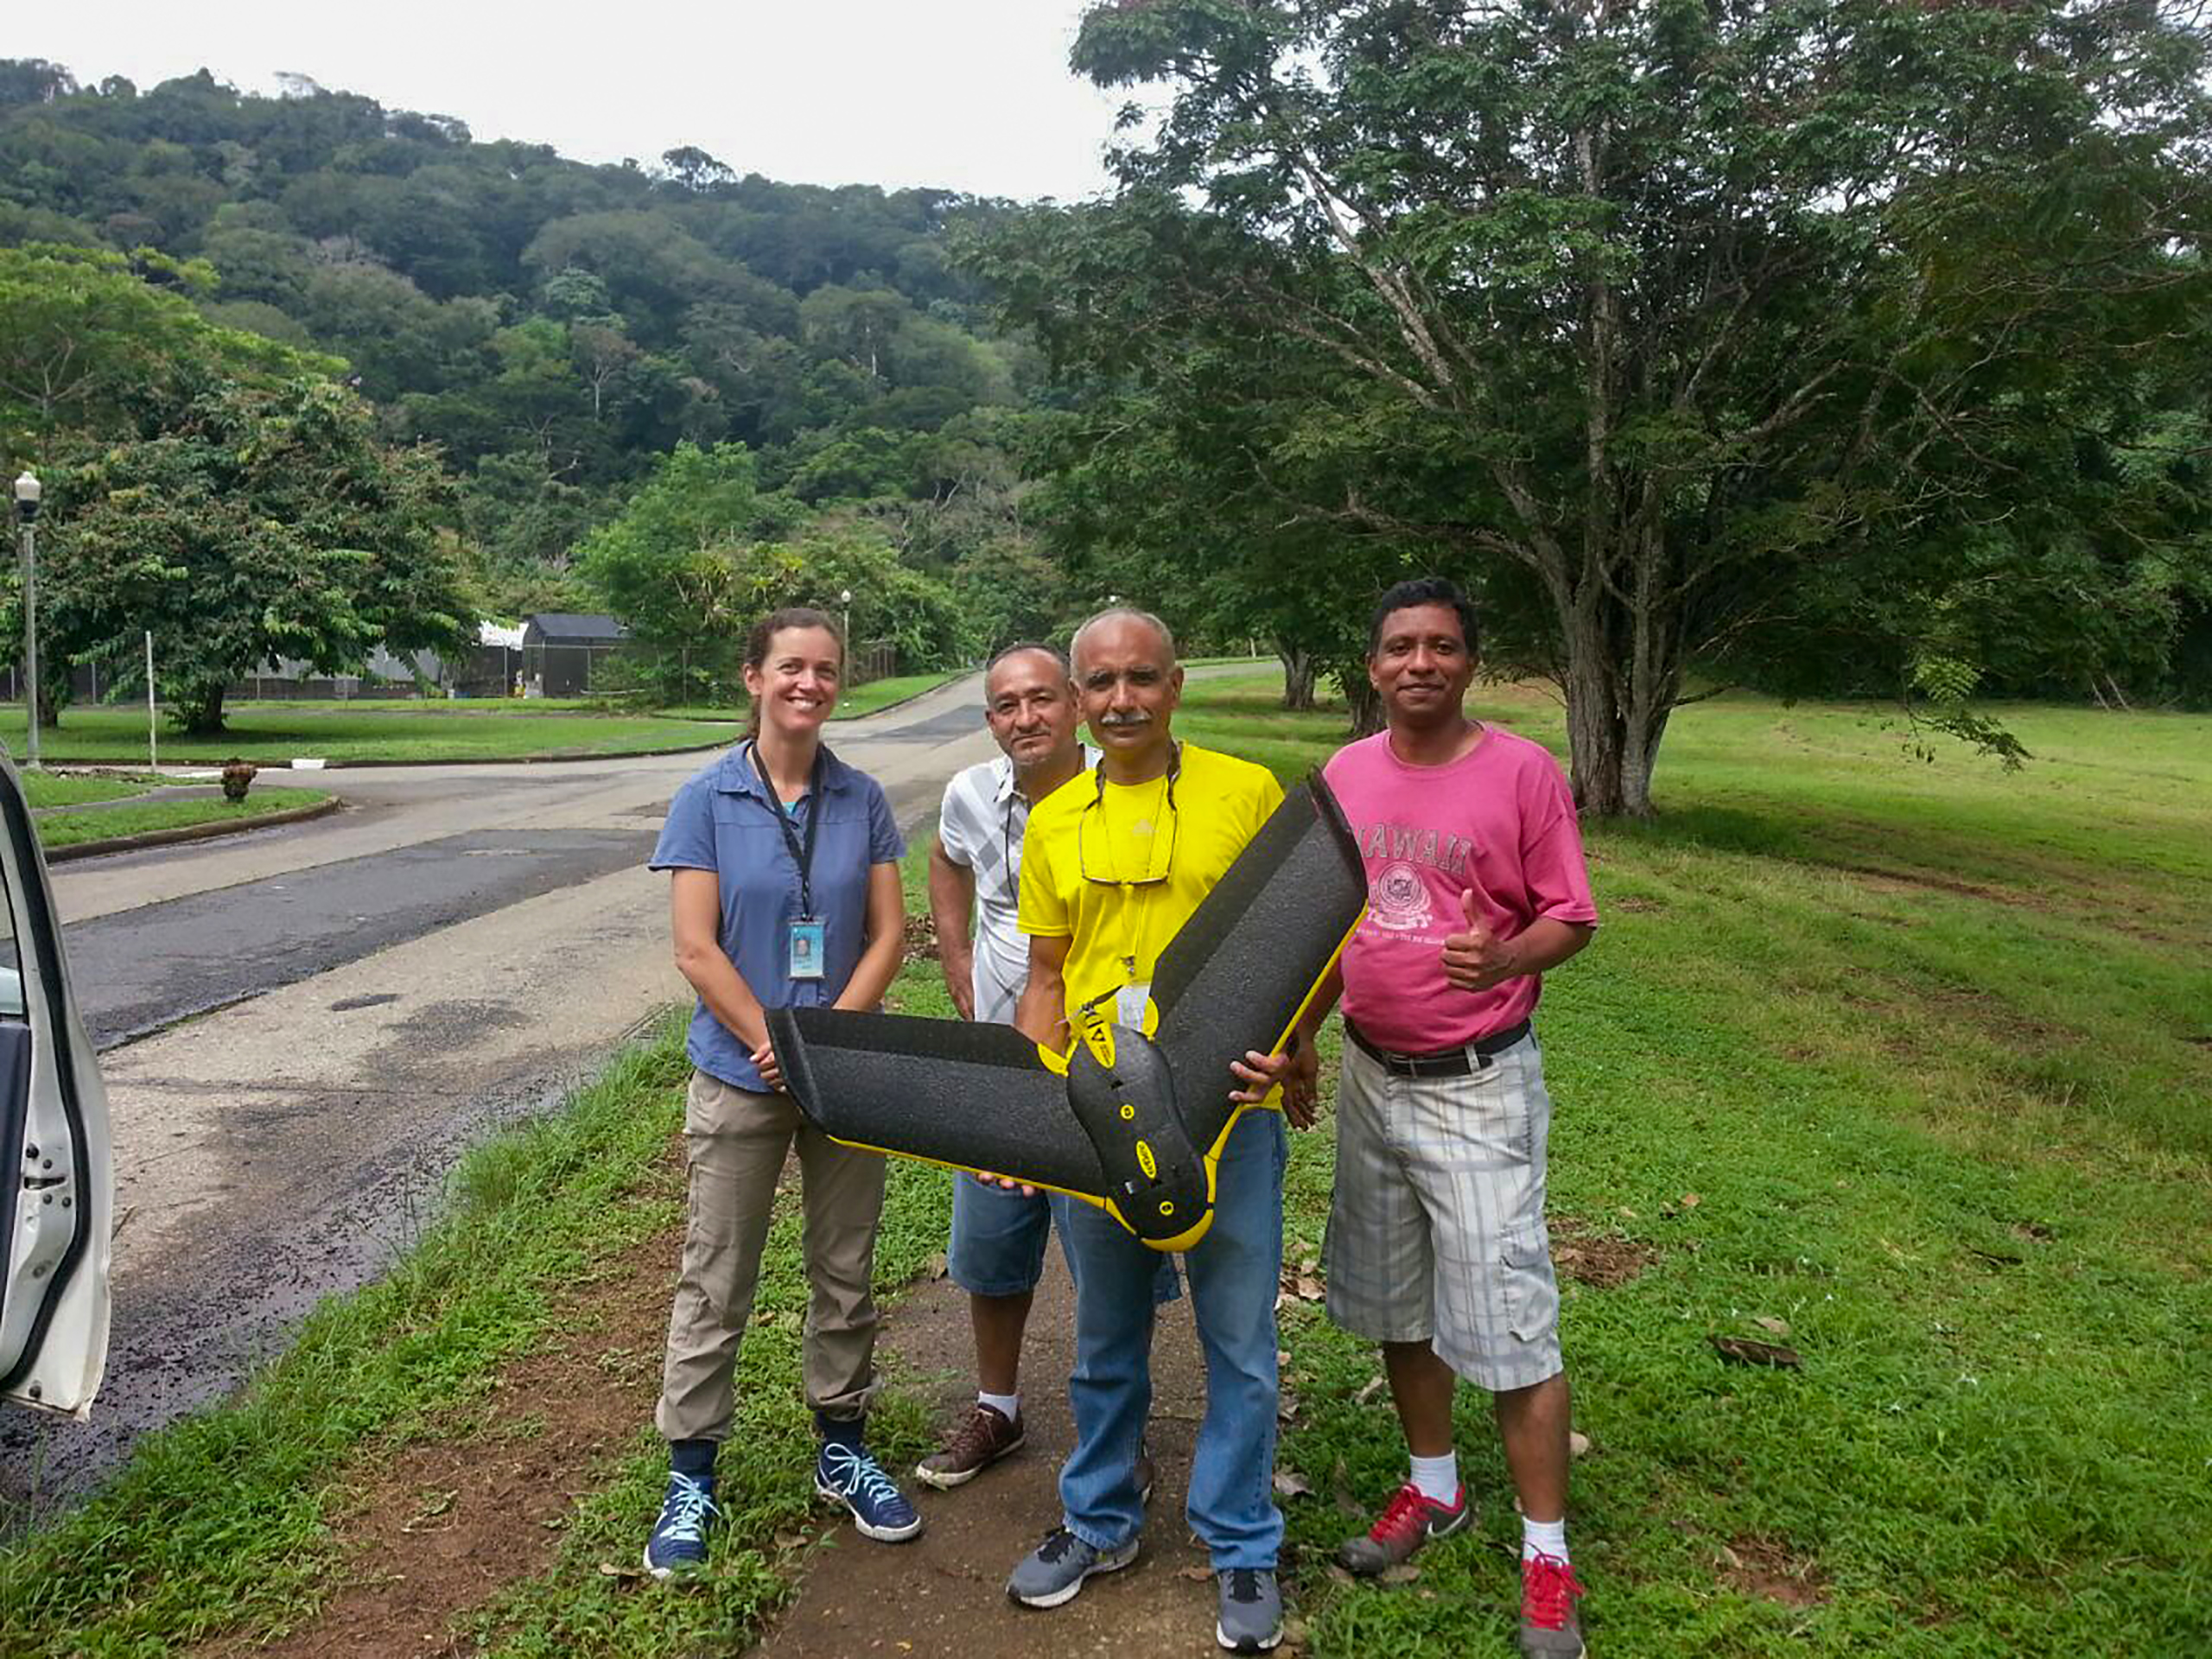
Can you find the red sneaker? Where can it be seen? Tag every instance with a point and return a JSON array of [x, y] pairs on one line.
[[1549, 1629], [1407, 1521]]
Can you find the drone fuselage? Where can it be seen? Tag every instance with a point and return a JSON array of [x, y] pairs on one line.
[[1158, 1183]]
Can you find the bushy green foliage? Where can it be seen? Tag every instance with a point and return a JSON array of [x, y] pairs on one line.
[[1699, 338], [702, 550]]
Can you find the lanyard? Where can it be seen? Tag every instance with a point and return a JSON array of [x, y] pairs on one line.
[[801, 855], [1137, 894]]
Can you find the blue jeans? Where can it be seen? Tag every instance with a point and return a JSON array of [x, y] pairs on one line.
[[1234, 1273], [998, 1242]]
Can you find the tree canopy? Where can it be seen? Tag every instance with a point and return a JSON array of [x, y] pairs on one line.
[[1692, 334]]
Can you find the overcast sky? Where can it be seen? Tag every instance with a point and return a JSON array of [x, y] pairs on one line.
[[973, 95]]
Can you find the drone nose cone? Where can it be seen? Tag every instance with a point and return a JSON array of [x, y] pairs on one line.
[[1155, 1179]]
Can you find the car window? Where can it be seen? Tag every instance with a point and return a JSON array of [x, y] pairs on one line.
[[11, 974]]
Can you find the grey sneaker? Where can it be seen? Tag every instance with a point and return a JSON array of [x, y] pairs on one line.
[[1251, 1611], [1549, 1629], [1407, 1521], [1052, 1572]]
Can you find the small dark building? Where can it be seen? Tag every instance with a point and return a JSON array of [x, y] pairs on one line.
[[561, 648]]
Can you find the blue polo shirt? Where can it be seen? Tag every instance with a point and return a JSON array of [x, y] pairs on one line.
[[723, 821]]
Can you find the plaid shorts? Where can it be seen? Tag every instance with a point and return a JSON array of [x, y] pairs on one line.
[[1436, 1231]]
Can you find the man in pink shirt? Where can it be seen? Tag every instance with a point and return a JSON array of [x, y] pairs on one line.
[[1437, 1247]]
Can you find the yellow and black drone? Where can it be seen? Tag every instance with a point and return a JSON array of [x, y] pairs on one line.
[[1131, 1121]]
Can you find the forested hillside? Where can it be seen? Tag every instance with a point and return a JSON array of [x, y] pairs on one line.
[[553, 327], [1886, 381]]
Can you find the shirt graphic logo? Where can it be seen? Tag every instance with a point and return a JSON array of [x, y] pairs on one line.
[[1398, 899]]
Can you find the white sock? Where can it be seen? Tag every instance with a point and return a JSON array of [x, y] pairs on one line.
[[1438, 1478], [1008, 1405], [1545, 1537]]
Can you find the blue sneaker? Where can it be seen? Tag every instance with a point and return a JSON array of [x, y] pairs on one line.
[[679, 1537], [845, 1474]]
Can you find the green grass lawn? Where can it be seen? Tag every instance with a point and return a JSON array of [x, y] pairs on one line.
[[274, 733], [854, 702], [1906, 1064], [52, 789], [100, 823]]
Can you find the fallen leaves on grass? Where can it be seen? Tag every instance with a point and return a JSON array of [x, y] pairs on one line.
[[1290, 1484], [1771, 1326], [1741, 1350], [1368, 1390], [1599, 1259], [1763, 1568], [1403, 1573], [921, 937], [1302, 1282]]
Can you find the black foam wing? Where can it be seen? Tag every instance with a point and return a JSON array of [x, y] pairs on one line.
[[976, 1097], [1239, 971]]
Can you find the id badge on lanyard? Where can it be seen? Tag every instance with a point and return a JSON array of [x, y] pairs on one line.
[[803, 948], [806, 935]]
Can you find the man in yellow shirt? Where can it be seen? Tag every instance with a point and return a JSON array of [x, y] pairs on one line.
[[1114, 862]]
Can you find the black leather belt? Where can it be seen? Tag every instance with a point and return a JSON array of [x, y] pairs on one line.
[[1460, 1062]]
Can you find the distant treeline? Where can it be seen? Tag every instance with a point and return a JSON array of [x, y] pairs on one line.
[[553, 327]]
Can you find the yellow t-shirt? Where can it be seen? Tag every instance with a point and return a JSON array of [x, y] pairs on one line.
[[1090, 842]]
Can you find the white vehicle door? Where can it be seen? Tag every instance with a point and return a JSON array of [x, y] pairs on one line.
[[57, 1189]]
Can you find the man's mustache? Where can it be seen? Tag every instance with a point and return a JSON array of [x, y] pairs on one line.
[[1125, 720]]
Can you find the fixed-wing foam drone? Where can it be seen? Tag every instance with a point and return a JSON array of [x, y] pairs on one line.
[[1132, 1120]]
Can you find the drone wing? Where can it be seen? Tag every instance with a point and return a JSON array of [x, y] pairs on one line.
[[1243, 968], [972, 1096]]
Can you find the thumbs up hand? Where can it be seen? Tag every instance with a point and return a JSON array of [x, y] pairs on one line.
[[1475, 959]]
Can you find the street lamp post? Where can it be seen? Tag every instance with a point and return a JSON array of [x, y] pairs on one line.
[[27, 495], [845, 599]]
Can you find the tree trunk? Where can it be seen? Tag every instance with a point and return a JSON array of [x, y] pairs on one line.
[[1615, 718], [202, 710], [49, 706], [1298, 672], [1359, 695]]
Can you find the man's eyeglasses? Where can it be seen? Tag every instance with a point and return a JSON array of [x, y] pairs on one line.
[[1095, 846]]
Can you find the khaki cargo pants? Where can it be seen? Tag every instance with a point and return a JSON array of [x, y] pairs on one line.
[[734, 1143]]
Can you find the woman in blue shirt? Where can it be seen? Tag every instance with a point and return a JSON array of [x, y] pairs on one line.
[[785, 893]]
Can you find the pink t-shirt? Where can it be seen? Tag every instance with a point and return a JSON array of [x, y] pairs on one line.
[[1499, 819]]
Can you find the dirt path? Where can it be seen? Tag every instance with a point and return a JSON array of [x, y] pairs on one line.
[[446, 1522], [944, 1596], [449, 1521]]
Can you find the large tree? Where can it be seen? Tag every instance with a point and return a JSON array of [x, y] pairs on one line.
[[86, 335], [245, 524], [1694, 302]]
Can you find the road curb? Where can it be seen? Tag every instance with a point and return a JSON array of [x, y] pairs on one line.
[[209, 831]]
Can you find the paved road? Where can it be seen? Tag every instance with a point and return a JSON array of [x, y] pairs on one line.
[[304, 1026]]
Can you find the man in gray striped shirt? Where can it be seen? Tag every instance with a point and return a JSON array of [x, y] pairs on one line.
[[998, 1234]]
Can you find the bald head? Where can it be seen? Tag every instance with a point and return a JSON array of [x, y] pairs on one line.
[[1117, 618], [1131, 686]]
